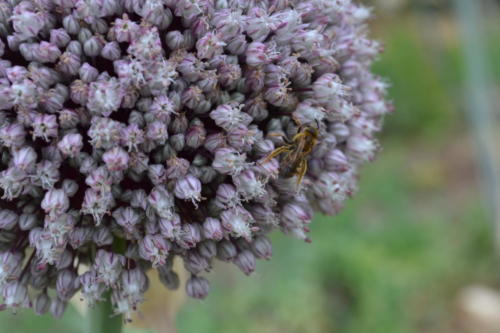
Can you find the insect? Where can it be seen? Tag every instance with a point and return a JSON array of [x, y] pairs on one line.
[[295, 152]]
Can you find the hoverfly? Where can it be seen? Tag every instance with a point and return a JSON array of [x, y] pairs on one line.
[[295, 152]]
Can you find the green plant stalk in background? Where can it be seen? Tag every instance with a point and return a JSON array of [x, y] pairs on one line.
[[100, 318], [479, 108]]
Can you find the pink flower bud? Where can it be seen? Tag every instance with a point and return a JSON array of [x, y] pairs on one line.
[[59, 37], [88, 73], [209, 46], [154, 249], [188, 188], [258, 54], [212, 229], [245, 261], [116, 159], [197, 287], [228, 161], [55, 202], [71, 144]]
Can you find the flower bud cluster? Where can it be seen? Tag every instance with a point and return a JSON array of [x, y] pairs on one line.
[[134, 132]]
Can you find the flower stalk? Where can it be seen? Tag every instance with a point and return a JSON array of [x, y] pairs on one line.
[[100, 318]]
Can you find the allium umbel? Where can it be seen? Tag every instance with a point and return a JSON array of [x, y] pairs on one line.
[[136, 131]]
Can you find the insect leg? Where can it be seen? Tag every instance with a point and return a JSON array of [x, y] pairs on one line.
[[301, 171], [275, 153]]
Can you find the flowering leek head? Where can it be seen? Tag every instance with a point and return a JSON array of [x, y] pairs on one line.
[[135, 132]]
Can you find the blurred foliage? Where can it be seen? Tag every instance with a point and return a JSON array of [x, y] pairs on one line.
[[395, 258], [420, 97]]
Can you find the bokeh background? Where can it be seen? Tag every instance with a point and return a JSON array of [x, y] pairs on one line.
[[413, 251]]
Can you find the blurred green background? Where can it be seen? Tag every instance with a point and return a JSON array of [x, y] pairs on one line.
[[403, 254]]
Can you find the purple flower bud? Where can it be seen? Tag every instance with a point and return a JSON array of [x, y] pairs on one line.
[[88, 73], [27, 23], [79, 236], [127, 218], [10, 266], [134, 284], [258, 54], [212, 229], [125, 30], [108, 266], [15, 295], [308, 113], [295, 214], [92, 47], [8, 219], [92, 289], [12, 181], [169, 278], [66, 284], [45, 126], [41, 304], [228, 116], [12, 135], [55, 202], [24, 159], [105, 97], [261, 246], [75, 47], [237, 220], [157, 131], [59, 37], [190, 235], [209, 46], [335, 160], [102, 236], [241, 138], [71, 144], [104, 132], [226, 250], [361, 148], [46, 52], [196, 134], [228, 161], [188, 188], [328, 88], [245, 261], [175, 40], [57, 307], [97, 204], [65, 261], [237, 45], [171, 227], [197, 287], [162, 108], [27, 221], [259, 24], [71, 24], [227, 196], [215, 141], [229, 75], [116, 159], [208, 249], [111, 51], [17, 74], [154, 249], [248, 185], [195, 263]]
